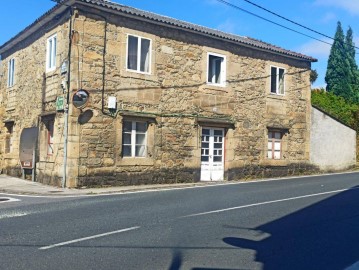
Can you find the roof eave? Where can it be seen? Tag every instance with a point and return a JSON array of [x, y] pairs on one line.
[[105, 8]]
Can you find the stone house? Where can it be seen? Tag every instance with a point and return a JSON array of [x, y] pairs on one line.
[[120, 96]]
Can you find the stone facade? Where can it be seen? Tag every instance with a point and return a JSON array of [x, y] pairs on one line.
[[173, 99]]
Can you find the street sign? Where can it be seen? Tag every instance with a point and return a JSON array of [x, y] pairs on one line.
[[60, 104]]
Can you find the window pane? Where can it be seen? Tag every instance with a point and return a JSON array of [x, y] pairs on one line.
[[277, 146], [126, 150], [127, 126], [145, 55], [218, 146], [277, 135], [270, 145], [53, 62], [141, 127], [277, 155], [218, 132], [132, 52], [205, 145], [273, 80], [127, 138], [50, 53], [281, 81], [270, 155], [205, 158], [205, 131], [215, 69], [141, 139], [140, 151], [218, 70], [217, 159]]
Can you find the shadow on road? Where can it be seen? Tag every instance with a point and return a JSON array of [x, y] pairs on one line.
[[322, 236]]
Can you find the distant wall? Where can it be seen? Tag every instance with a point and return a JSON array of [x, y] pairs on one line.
[[333, 144]]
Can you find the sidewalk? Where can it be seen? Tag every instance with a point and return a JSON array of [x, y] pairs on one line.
[[13, 185]]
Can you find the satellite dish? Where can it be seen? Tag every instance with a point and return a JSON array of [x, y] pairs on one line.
[[80, 98]]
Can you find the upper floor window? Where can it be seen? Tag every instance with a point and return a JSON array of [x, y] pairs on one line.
[[138, 54], [11, 73], [51, 53], [277, 80], [134, 137], [216, 69], [274, 144]]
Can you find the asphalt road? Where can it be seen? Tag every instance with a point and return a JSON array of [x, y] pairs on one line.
[[304, 223]]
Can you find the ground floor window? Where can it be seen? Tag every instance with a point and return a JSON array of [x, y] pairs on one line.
[[134, 139], [50, 137], [274, 144]]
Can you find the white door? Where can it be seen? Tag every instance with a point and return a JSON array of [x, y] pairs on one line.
[[212, 161]]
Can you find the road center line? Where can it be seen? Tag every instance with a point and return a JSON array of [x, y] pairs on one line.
[[89, 237], [268, 202]]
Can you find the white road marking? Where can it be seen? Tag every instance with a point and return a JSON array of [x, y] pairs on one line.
[[268, 202], [13, 214], [88, 238]]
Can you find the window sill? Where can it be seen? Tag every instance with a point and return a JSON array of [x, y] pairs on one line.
[[133, 161], [139, 75], [277, 96], [274, 162], [50, 72], [214, 87]]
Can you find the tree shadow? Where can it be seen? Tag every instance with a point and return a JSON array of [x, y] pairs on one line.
[[324, 235]]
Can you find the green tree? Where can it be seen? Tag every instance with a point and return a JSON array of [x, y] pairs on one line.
[[338, 67], [313, 76], [353, 68]]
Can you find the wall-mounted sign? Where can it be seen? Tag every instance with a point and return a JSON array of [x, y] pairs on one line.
[[64, 67], [80, 98], [60, 104]]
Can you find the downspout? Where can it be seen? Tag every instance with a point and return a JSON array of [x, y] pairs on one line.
[[66, 112], [103, 63]]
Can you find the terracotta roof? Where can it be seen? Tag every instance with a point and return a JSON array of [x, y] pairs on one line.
[[171, 22]]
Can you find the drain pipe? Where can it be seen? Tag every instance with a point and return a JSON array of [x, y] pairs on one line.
[[66, 112]]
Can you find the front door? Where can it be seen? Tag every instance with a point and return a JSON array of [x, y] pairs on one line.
[[212, 161]]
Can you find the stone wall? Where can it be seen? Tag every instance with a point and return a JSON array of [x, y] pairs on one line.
[[32, 98]]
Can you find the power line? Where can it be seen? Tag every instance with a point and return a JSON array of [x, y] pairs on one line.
[[293, 22], [280, 25], [289, 20], [265, 19]]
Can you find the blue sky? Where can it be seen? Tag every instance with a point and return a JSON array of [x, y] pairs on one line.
[[320, 15]]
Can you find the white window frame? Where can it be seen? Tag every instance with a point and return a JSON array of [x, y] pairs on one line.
[[138, 70], [223, 71], [51, 51], [273, 141], [133, 139], [277, 90], [11, 73]]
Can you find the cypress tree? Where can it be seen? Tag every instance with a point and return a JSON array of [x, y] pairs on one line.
[[353, 68], [336, 76]]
